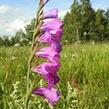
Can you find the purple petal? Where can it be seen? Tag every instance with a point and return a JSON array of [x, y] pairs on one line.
[[53, 13], [46, 38], [49, 71], [52, 26], [52, 80], [50, 53], [50, 38], [58, 35], [46, 68], [56, 46], [52, 95]]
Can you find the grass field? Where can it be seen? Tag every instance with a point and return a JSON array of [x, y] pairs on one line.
[[84, 76]]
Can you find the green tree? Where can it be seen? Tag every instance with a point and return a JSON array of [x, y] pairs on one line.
[[12, 41], [107, 25], [6, 41], [1, 41], [87, 19], [68, 28], [18, 38], [29, 30], [76, 15], [79, 22], [72, 23], [100, 24]]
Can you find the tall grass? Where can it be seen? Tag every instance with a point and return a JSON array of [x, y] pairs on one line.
[[84, 76]]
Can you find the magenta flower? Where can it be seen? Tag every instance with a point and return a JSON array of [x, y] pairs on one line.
[[46, 38], [49, 38], [58, 35], [49, 53], [51, 14], [52, 80], [46, 68], [51, 35], [52, 26], [52, 95], [57, 46], [49, 71]]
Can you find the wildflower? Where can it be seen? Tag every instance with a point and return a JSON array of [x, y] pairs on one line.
[[49, 53], [49, 72], [51, 94], [52, 26], [48, 38], [51, 35], [53, 13]]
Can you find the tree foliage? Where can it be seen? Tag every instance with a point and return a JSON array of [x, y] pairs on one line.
[[82, 22]]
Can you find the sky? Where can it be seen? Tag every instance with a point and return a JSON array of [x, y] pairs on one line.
[[15, 14]]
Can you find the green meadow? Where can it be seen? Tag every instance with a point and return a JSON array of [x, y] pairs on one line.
[[84, 74]]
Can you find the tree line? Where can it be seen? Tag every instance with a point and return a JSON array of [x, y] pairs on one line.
[[81, 23]]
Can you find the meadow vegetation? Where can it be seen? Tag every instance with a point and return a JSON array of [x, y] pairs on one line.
[[84, 76]]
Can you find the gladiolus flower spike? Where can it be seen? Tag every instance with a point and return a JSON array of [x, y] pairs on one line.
[[51, 35]]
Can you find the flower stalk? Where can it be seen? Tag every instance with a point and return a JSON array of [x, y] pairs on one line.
[[35, 34], [47, 30]]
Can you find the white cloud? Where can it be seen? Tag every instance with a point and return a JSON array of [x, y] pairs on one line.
[[12, 19], [16, 25], [4, 9]]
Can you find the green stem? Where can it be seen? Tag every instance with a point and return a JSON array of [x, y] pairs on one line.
[[36, 32]]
